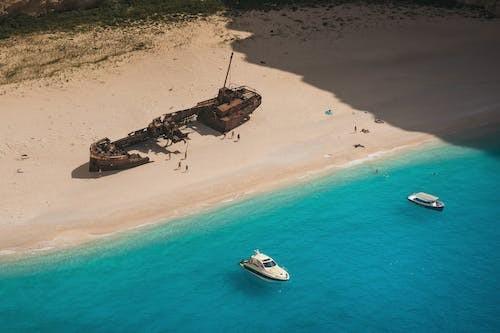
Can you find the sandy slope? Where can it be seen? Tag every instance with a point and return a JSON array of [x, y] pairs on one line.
[[301, 70]]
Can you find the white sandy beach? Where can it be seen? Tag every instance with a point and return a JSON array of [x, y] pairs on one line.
[[427, 78]]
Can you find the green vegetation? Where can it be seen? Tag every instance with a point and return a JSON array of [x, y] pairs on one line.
[[125, 12], [109, 13]]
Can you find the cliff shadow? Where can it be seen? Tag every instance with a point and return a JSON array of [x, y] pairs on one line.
[[404, 69]]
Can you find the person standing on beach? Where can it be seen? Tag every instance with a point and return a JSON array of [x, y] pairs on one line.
[[186, 168], [238, 137], [355, 129], [179, 165], [186, 154]]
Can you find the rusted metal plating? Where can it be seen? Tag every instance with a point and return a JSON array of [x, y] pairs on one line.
[[231, 108]]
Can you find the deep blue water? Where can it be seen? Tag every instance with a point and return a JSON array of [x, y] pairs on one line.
[[361, 258]]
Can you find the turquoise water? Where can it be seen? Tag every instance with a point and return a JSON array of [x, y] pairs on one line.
[[361, 258]]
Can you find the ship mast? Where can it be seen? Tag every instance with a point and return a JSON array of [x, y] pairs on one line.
[[228, 68]]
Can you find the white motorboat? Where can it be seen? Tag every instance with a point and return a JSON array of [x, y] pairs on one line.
[[265, 267], [426, 200]]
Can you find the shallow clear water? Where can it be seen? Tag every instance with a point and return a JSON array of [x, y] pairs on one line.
[[361, 258]]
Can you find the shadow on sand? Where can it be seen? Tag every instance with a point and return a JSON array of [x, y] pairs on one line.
[[147, 147], [82, 172], [404, 74], [202, 129]]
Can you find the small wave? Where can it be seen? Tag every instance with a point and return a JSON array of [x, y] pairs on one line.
[[42, 249], [371, 157], [139, 226], [7, 252], [359, 161]]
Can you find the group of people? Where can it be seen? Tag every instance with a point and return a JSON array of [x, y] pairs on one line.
[[186, 167], [238, 137], [179, 165], [363, 130], [359, 145]]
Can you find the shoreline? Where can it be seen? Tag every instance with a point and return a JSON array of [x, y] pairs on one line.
[[146, 224], [203, 207]]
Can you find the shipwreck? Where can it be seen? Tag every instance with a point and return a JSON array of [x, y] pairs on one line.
[[230, 109]]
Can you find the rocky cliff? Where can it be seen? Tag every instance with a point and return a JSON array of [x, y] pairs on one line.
[[40, 7]]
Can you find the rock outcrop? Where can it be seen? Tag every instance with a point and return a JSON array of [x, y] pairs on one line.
[[40, 7]]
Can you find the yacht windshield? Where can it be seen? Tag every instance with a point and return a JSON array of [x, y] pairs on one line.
[[269, 263]]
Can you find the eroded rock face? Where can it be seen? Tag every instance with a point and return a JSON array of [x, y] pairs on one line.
[[40, 7]]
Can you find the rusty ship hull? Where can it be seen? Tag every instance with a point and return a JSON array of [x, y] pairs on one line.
[[225, 114], [230, 109], [106, 156], [126, 161]]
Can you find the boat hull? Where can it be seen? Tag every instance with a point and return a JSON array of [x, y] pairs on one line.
[[260, 274], [120, 163], [230, 109], [238, 113], [438, 208]]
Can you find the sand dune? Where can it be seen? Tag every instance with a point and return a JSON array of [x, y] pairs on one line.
[[428, 77]]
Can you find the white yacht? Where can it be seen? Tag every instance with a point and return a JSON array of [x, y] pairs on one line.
[[426, 200], [264, 266]]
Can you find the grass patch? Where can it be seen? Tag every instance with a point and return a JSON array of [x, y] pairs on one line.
[[109, 14], [125, 12], [42, 55]]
